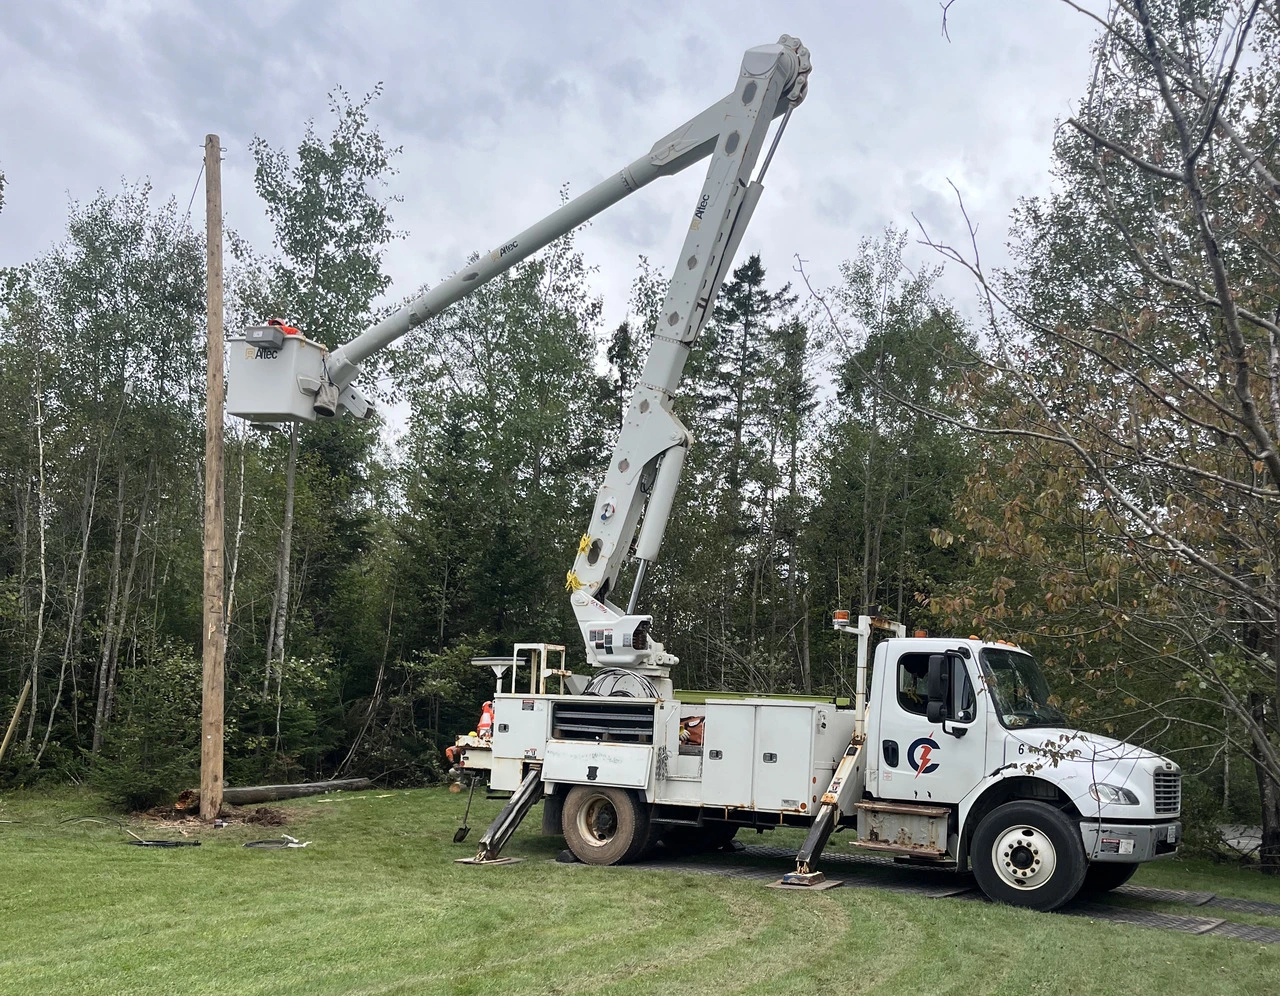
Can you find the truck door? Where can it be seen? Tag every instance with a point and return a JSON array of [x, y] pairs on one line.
[[920, 761]]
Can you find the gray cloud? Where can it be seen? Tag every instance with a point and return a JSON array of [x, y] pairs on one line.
[[498, 105]]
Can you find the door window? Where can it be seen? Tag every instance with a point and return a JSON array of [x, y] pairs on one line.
[[963, 705], [913, 687], [913, 683]]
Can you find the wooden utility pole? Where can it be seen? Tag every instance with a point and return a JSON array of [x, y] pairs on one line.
[[13, 723], [214, 632]]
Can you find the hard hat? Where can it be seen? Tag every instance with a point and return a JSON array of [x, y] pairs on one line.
[[283, 326]]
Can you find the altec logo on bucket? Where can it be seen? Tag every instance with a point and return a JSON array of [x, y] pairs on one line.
[[920, 755]]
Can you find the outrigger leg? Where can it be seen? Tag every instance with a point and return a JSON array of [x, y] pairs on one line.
[[835, 801], [501, 829]]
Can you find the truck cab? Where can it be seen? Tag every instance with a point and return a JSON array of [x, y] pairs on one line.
[[1031, 803]]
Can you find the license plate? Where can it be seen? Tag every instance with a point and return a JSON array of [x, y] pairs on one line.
[[1173, 835]]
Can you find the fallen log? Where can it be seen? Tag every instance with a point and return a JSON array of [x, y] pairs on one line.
[[250, 794]]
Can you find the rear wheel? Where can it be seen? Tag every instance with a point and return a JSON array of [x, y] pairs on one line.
[[604, 826], [1028, 854], [1103, 876]]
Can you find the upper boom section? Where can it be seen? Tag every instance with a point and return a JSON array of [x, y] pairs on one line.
[[320, 382]]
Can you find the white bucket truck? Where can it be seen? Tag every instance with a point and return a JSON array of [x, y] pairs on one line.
[[958, 756]]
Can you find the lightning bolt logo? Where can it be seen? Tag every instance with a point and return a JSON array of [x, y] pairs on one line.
[[925, 752], [920, 755]]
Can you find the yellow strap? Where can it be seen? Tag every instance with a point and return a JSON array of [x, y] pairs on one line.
[[584, 544], [571, 582]]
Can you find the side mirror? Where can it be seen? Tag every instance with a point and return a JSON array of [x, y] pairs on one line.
[[936, 710]]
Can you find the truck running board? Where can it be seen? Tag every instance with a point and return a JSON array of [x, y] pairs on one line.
[[501, 829], [904, 828]]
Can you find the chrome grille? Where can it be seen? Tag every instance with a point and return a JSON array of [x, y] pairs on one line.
[[1168, 791]]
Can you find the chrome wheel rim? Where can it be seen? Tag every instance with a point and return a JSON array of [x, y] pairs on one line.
[[1024, 858]]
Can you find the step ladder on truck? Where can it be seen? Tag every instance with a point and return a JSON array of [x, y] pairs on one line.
[[954, 753]]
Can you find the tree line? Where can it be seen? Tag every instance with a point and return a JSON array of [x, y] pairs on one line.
[[1088, 466]]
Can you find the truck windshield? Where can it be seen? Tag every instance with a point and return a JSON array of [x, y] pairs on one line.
[[1019, 690]]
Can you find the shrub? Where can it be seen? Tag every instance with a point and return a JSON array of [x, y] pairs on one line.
[[151, 750]]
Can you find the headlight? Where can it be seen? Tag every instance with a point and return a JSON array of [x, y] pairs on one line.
[[1112, 795]]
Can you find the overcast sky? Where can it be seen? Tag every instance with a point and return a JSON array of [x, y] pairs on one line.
[[499, 104]]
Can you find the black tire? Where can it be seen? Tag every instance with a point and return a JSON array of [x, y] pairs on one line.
[[1103, 876], [1028, 854], [604, 826]]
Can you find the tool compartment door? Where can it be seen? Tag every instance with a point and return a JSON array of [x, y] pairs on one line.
[[579, 762], [520, 726], [727, 751], [783, 759]]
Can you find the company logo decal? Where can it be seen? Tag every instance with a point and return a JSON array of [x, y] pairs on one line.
[[920, 755]]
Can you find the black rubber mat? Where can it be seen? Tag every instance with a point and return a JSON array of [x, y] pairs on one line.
[[1143, 918], [1200, 899], [766, 864], [1248, 932], [1245, 906], [1165, 895]]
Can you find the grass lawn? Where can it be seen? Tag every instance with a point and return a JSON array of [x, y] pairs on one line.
[[376, 905]]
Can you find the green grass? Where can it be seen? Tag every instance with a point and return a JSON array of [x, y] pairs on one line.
[[376, 905]]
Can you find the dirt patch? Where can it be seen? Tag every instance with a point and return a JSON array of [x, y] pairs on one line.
[[263, 816], [176, 818], [169, 818]]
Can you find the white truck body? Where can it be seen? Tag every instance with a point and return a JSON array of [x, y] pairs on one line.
[[912, 786], [760, 754]]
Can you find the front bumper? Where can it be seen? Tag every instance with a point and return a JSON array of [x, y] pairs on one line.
[[1129, 842]]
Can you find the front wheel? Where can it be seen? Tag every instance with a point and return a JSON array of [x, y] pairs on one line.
[[1028, 854], [1103, 876], [604, 826]]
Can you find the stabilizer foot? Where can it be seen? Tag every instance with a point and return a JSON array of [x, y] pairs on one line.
[[805, 882], [803, 878]]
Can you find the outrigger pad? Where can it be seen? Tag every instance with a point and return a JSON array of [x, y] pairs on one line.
[[805, 880], [491, 861], [782, 883]]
